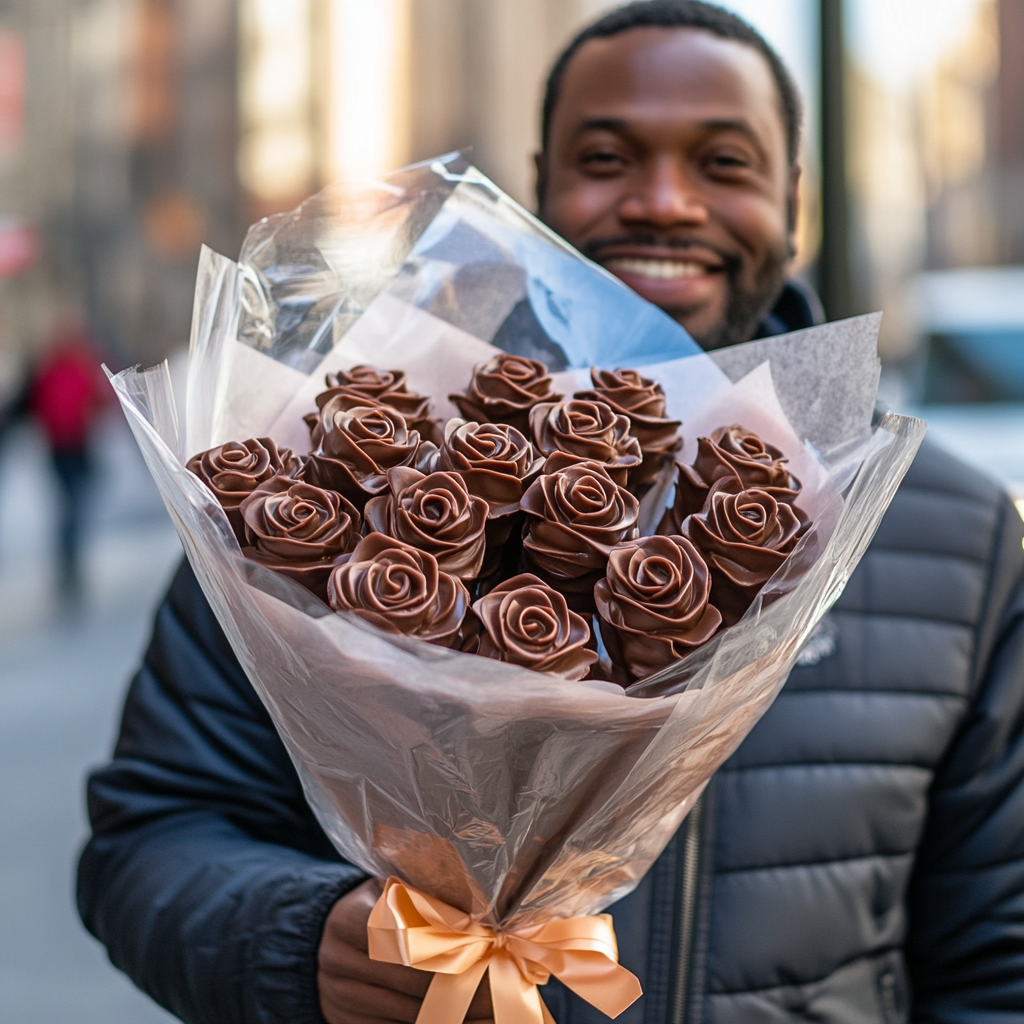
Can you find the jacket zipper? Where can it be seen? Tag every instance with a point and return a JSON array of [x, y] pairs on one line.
[[688, 877]]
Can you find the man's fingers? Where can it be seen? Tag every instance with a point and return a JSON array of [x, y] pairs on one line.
[[347, 920], [357, 990], [342, 961], [343, 1000], [480, 1007]]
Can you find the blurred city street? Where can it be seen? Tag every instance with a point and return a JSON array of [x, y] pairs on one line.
[[63, 674]]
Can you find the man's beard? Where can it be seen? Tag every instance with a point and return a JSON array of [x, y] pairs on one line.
[[746, 304]]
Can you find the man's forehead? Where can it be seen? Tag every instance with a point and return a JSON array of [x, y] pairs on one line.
[[664, 74]]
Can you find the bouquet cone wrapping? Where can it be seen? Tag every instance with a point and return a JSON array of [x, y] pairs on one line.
[[512, 796]]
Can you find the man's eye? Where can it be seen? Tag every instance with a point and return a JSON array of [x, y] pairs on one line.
[[728, 162], [601, 161]]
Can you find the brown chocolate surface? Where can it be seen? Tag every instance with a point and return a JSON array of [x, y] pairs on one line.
[[744, 536], [358, 447], [587, 430], [653, 604], [401, 590], [504, 390], [575, 516], [235, 469], [731, 452], [496, 462], [298, 529], [434, 513], [641, 399], [367, 385], [527, 623]]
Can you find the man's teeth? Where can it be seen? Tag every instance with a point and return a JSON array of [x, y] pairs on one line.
[[663, 270]]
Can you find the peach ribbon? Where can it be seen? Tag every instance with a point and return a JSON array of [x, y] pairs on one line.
[[409, 927]]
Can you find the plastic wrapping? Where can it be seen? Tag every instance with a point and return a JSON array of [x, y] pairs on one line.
[[512, 795]]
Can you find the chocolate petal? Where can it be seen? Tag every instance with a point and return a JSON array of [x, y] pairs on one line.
[[643, 401], [527, 623], [504, 389], [233, 470], [654, 603], [401, 590], [299, 529], [745, 536], [377, 515]]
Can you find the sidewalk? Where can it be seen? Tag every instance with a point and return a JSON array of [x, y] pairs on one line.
[[62, 680]]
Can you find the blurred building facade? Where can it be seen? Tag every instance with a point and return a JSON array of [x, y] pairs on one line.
[[936, 172], [126, 163], [132, 131]]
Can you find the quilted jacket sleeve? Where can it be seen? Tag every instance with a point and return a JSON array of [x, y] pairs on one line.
[[965, 949], [207, 878]]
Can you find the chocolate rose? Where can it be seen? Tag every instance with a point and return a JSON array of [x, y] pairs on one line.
[[653, 604], [592, 431], [730, 452], [235, 469], [400, 590], [496, 463], [744, 536], [576, 515], [527, 623], [643, 401], [434, 513], [366, 385], [358, 447], [298, 529], [504, 390]]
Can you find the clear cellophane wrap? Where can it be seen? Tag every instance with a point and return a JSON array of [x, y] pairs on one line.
[[512, 795]]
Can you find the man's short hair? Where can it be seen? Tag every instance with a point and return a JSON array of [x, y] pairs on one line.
[[681, 14]]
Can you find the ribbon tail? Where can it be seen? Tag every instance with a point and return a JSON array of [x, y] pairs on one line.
[[514, 999], [448, 998]]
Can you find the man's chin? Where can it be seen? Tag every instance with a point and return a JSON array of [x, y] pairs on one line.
[[709, 328]]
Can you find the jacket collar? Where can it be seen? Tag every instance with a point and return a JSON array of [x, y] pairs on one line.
[[796, 307]]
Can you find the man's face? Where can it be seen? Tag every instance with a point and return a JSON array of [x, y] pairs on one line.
[[666, 163]]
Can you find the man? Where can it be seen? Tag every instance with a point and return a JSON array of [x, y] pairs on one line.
[[859, 859]]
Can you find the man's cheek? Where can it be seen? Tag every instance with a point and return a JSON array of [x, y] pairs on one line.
[[762, 231], [580, 211]]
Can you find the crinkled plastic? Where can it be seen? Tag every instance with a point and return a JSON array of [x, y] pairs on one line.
[[512, 795]]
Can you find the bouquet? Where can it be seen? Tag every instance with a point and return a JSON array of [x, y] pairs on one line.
[[512, 564]]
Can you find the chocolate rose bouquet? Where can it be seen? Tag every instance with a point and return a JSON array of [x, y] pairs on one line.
[[512, 564]]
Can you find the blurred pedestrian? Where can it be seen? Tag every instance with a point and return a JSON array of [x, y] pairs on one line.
[[64, 395]]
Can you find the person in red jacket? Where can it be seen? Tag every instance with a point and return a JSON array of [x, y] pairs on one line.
[[65, 395]]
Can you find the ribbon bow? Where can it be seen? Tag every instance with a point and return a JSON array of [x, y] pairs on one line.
[[409, 927]]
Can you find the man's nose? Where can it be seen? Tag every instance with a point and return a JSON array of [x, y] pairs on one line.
[[664, 195]]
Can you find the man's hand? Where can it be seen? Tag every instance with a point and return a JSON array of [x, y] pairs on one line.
[[357, 990]]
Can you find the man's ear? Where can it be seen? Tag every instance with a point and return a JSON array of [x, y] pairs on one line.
[[540, 165], [793, 205]]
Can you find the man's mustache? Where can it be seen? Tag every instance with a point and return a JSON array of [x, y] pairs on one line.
[[594, 248]]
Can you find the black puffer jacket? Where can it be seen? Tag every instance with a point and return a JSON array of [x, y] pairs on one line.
[[859, 859], [861, 856]]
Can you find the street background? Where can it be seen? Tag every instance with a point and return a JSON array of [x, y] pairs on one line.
[[133, 131]]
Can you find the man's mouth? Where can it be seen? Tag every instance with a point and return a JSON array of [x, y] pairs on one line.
[[656, 269]]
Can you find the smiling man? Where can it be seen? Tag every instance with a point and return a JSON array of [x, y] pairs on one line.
[[859, 859], [670, 157]]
